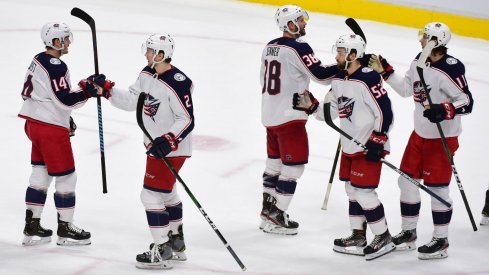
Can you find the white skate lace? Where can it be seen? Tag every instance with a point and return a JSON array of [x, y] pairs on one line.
[[73, 227], [432, 243], [154, 253]]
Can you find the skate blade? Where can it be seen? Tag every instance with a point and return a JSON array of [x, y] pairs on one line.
[[406, 246], [279, 230], [71, 242], [484, 220], [158, 265], [35, 240], [442, 254], [179, 256], [355, 250], [388, 248]]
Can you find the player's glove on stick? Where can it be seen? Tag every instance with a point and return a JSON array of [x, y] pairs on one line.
[[440, 112], [380, 65], [305, 102], [102, 82], [162, 146], [88, 88], [375, 146]]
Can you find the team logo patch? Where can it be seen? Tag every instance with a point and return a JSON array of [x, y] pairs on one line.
[[366, 70], [55, 61], [151, 106], [419, 94], [452, 61], [345, 107], [179, 77]]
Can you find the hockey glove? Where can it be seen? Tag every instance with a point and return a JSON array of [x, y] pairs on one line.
[[88, 89], [375, 146], [380, 65], [162, 146], [439, 112], [72, 127], [305, 102], [101, 81]]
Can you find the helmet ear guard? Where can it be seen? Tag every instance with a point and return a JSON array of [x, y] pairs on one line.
[[159, 42], [437, 31], [289, 13], [55, 30], [350, 42]]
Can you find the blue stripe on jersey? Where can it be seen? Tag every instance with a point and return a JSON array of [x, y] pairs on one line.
[[64, 200], [375, 215], [355, 209], [286, 187], [157, 218], [182, 85], [307, 55], [410, 209], [374, 82], [175, 212], [441, 217], [35, 196], [57, 70], [455, 69]]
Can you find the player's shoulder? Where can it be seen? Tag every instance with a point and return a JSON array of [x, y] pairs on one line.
[[296, 44], [55, 67], [367, 75], [450, 65], [176, 79]]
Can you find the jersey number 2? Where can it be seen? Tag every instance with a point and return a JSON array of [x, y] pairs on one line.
[[271, 77]]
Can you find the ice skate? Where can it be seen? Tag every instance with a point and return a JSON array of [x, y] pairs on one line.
[[381, 245], [178, 245], [278, 223], [268, 201], [158, 257], [436, 249], [34, 233], [353, 244], [70, 235], [485, 211], [405, 240]]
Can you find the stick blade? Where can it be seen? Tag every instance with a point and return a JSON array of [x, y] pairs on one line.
[[77, 12], [353, 25]]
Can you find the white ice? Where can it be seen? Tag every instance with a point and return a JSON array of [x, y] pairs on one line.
[[218, 44]]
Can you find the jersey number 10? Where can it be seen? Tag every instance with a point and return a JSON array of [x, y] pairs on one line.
[[271, 77]]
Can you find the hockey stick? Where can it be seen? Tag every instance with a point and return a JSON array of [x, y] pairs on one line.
[[89, 20], [330, 184], [420, 66], [355, 28], [139, 118], [329, 121]]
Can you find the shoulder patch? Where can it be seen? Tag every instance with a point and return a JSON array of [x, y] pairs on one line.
[[179, 77], [55, 61], [366, 70], [452, 61], [299, 40]]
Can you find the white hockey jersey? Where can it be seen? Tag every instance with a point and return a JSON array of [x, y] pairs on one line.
[[446, 81], [362, 105], [287, 66], [168, 106], [47, 92]]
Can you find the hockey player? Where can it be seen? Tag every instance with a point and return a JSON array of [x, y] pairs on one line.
[[168, 116], [288, 65], [48, 102], [425, 157], [365, 113], [485, 210]]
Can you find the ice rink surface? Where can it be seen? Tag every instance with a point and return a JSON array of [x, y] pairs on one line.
[[218, 45]]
